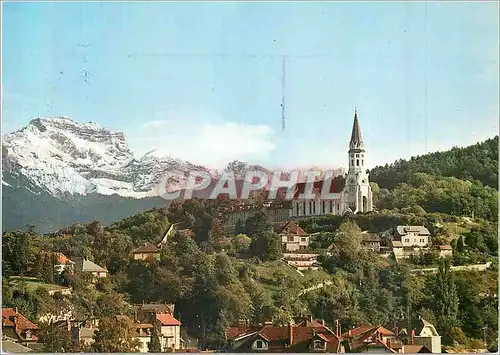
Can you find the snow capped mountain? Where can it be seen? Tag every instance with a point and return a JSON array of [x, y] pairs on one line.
[[61, 156]]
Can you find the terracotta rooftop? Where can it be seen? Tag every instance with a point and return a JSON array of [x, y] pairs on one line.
[[167, 319], [336, 186], [23, 323], [293, 228], [146, 248]]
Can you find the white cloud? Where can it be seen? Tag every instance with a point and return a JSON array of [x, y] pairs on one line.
[[212, 144]]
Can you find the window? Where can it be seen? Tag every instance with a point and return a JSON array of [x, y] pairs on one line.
[[318, 344], [357, 155], [357, 162], [331, 206], [422, 240], [303, 239], [407, 240], [290, 238], [363, 162], [310, 206], [314, 207], [324, 209], [352, 161], [297, 208], [259, 344], [304, 208]]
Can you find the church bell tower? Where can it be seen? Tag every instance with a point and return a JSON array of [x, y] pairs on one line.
[[359, 193]]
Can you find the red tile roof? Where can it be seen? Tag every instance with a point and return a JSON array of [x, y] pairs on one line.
[[295, 339], [292, 228], [336, 186], [62, 259], [146, 248], [167, 319], [11, 318]]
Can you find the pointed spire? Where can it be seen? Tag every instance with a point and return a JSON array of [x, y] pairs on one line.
[[356, 139]]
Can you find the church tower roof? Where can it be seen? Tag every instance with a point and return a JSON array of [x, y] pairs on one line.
[[356, 138], [356, 144]]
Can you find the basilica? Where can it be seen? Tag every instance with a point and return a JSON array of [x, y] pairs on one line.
[[350, 192]]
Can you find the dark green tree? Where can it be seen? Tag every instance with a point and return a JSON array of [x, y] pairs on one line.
[[446, 297], [154, 345]]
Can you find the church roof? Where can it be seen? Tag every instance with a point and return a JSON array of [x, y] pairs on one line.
[[356, 138], [336, 186]]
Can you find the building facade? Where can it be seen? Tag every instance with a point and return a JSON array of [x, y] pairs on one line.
[[350, 193]]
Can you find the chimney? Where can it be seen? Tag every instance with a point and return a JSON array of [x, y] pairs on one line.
[[290, 334], [349, 333], [412, 339]]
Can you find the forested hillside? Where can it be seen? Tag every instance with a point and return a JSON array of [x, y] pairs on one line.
[[216, 279], [476, 162]]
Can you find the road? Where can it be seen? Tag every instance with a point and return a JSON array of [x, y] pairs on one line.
[[476, 267]]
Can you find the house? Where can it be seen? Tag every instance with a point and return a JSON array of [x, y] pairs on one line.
[[422, 333], [83, 331], [168, 325], [293, 237], [87, 266], [63, 263], [445, 251], [368, 338], [412, 236], [409, 240], [145, 309], [302, 261], [146, 251], [17, 327], [312, 336], [371, 241], [170, 328]]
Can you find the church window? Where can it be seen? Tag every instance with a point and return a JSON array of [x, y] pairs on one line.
[[357, 162], [304, 207], [324, 209], [357, 155], [313, 207], [297, 208], [352, 161], [363, 162], [331, 206]]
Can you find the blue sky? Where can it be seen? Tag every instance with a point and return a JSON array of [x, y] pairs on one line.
[[202, 81]]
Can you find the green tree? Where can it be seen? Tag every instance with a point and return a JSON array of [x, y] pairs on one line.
[[241, 243], [257, 224], [47, 271], [446, 297], [154, 345], [115, 335]]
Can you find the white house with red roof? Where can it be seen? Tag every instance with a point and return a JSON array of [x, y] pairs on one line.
[[349, 193], [168, 325], [293, 237]]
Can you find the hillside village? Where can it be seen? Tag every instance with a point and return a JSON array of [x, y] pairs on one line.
[[247, 277]]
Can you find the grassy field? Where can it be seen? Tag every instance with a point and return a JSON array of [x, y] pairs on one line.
[[32, 283]]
